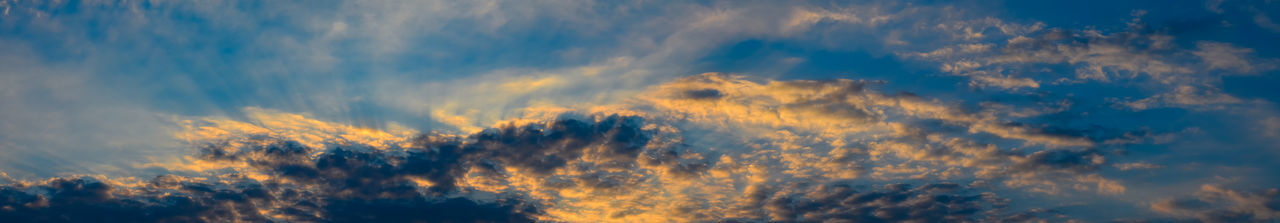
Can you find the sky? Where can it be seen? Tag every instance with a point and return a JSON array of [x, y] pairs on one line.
[[639, 111]]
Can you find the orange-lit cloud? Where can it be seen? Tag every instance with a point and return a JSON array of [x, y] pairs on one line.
[[588, 164]]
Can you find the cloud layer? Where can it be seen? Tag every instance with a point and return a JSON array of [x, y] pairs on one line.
[[654, 111]]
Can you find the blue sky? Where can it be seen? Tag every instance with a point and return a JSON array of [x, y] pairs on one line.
[[1054, 110]]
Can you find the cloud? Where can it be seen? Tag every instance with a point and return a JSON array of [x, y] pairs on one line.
[[293, 127], [1183, 97], [844, 106], [170, 198], [1139, 54], [531, 158], [300, 184], [582, 111], [888, 203], [1094, 55], [841, 128], [584, 167], [1263, 20], [1214, 203], [1137, 166], [83, 200], [1224, 56], [1271, 127]]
